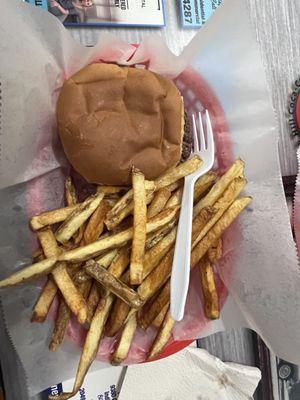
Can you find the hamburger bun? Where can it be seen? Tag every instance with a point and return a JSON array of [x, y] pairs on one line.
[[111, 118]]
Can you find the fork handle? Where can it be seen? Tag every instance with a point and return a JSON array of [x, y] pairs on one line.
[[181, 262]]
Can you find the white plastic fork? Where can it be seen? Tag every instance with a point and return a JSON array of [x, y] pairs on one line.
[[181, 262]]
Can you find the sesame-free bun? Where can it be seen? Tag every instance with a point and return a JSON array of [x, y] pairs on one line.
[[111, 118]]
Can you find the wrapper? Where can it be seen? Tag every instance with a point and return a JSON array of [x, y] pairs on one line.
[[219, 70]]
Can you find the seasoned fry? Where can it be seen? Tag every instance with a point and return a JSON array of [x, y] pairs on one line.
[[162, 337], [157, 236], [210, 294], [90, 348], [127, 199], [159, 201], [61, 324], [113, 284], [126, 338], [95, 225], [139, 227], [117, 240], [51, 217], [78, 217], [34, 271], [92, 301], [71, 294], [120, 262], [161, 273], [214, 253], [161, 316], [43, 304], [236, 170], [182, 170], [117, 317], [229, 195], [156, 306]]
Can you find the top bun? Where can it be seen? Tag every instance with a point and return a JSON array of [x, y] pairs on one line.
[[111, 118]]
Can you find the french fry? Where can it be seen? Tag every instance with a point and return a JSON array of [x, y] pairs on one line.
[[92, 301], [38, 255], [236, 170], [113, 221], [159, 201], [175, 199], [155, 237], [70, 192], [43, 304], [72, 296], [117, 240], [127, 199], [210, 293], [90, 348], [156, 306], [61, 324], [77, 218], [214, 253], [95, 225], [158, 277], [182, 170], [162, 337], [117, 317], [34, 271], [125, 341], [229, 195], [51, 217], [113, 284], [120, 262], [106, 260], [161, 316], [175, 185], [107, 190], [139, 227]]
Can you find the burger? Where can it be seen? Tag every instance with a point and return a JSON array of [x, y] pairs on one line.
[[111, 118]]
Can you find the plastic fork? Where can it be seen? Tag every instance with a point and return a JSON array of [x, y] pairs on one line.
[[205, 148]]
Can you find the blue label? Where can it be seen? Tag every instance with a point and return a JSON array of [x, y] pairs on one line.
[[53, 390], [39, 3], [194, 13]]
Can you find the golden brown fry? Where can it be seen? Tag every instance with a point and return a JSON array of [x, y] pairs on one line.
[[125, 341], [120, 262], [175, 185], [157, 236], [113, 284], [117, 317], [161, 316], [156, 306], [43, 304], [229, 195], [71, 294], [61, 324], [236, 170], [51, 217], [107, 190], [92, 301], [77, 218], [204, 183], [139, 227], [162, 337], [106, 259], [34, 271], [182, 170], [175, 199], [117, 240], [159, 201], [90, 348], [158, 277], [95, 225], [210, 293], [214, 253], [38, 255], [70, 192]]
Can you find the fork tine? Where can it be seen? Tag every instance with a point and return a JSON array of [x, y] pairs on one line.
[[201, 133], [209, 132], [195, 135]]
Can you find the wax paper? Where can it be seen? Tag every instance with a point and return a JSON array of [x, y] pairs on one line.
[[259, 267]]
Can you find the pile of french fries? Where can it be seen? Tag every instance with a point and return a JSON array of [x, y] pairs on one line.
[[109, 258]]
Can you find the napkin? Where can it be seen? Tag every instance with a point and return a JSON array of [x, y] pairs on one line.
[[192, 374]]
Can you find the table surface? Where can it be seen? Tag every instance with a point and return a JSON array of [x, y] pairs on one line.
[[277, 27]]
